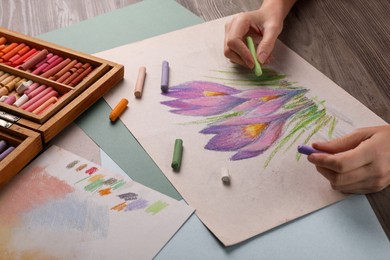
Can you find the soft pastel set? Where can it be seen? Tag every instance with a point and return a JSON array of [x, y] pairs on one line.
[[43, 88]]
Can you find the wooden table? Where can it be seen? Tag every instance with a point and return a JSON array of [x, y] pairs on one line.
[[346, 40]]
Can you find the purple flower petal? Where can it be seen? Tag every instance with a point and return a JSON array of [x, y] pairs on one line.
[[204, 106], [195, 89]]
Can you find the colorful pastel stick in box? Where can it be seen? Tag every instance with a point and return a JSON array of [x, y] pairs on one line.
[[44, 63], [44, 87], [5, 149]]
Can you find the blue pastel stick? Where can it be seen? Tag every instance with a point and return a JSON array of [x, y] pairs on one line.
[[305, 149], [165, 76]]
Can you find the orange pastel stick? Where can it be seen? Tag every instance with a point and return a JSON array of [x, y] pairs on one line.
[[3, 40], [8, 48], [70, 78], [117, 111], [45, 105], [24, 57], [80, 77], [64, 70], [12, 52], [64, 77]]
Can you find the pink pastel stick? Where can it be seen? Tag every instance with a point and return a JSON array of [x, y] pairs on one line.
[[45, 105], [31, 88], [42, 100], [48, 56], [40, 69], [53, 64], [35, 91], [36, 98], [10, 100]]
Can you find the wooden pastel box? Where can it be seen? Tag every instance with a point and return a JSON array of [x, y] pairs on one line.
[[39, 98]]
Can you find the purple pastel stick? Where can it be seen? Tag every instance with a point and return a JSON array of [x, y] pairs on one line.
[[6, 152], [165, 76], [3, 145], [305, 149]]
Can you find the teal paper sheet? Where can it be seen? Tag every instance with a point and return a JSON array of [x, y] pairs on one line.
[[130, 24]]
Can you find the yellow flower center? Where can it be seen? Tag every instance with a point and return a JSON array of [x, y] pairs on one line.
[[253, 130], [212, 93], [268, 98]]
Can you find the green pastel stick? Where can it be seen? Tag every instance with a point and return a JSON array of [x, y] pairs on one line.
[[177, 154], [252, 48]]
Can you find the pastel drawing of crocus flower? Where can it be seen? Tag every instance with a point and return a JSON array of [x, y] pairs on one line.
[[250, 136], [247, 122], [201, 98]]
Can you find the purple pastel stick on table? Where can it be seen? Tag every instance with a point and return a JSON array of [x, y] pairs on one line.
[[165, 77], [6, 152], [305, 149]]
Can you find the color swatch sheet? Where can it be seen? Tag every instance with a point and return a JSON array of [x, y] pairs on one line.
[[62, 206], [130, 155]]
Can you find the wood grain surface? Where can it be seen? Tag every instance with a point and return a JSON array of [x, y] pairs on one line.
[[346, 40]]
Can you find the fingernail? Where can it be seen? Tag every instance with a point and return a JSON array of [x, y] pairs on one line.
[[263, 57]]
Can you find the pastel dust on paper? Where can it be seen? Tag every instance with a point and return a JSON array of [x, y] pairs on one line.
[[52, 207], [270, 112]]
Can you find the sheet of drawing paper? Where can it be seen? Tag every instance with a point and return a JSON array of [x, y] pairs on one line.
[[227, 117], [75, 140], [63, 206]]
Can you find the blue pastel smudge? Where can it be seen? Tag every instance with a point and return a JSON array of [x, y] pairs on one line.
[[71, 213]]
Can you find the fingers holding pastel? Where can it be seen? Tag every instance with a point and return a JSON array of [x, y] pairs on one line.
[[235, 48], [362, 166]]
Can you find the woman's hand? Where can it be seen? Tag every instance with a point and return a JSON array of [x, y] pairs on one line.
[[358, 162]]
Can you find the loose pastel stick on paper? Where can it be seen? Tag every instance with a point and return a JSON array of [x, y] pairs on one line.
[[305, 149], [177, 154], [252, 49], [118, 110], [139, 86], [225, 176], [165, 77]]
